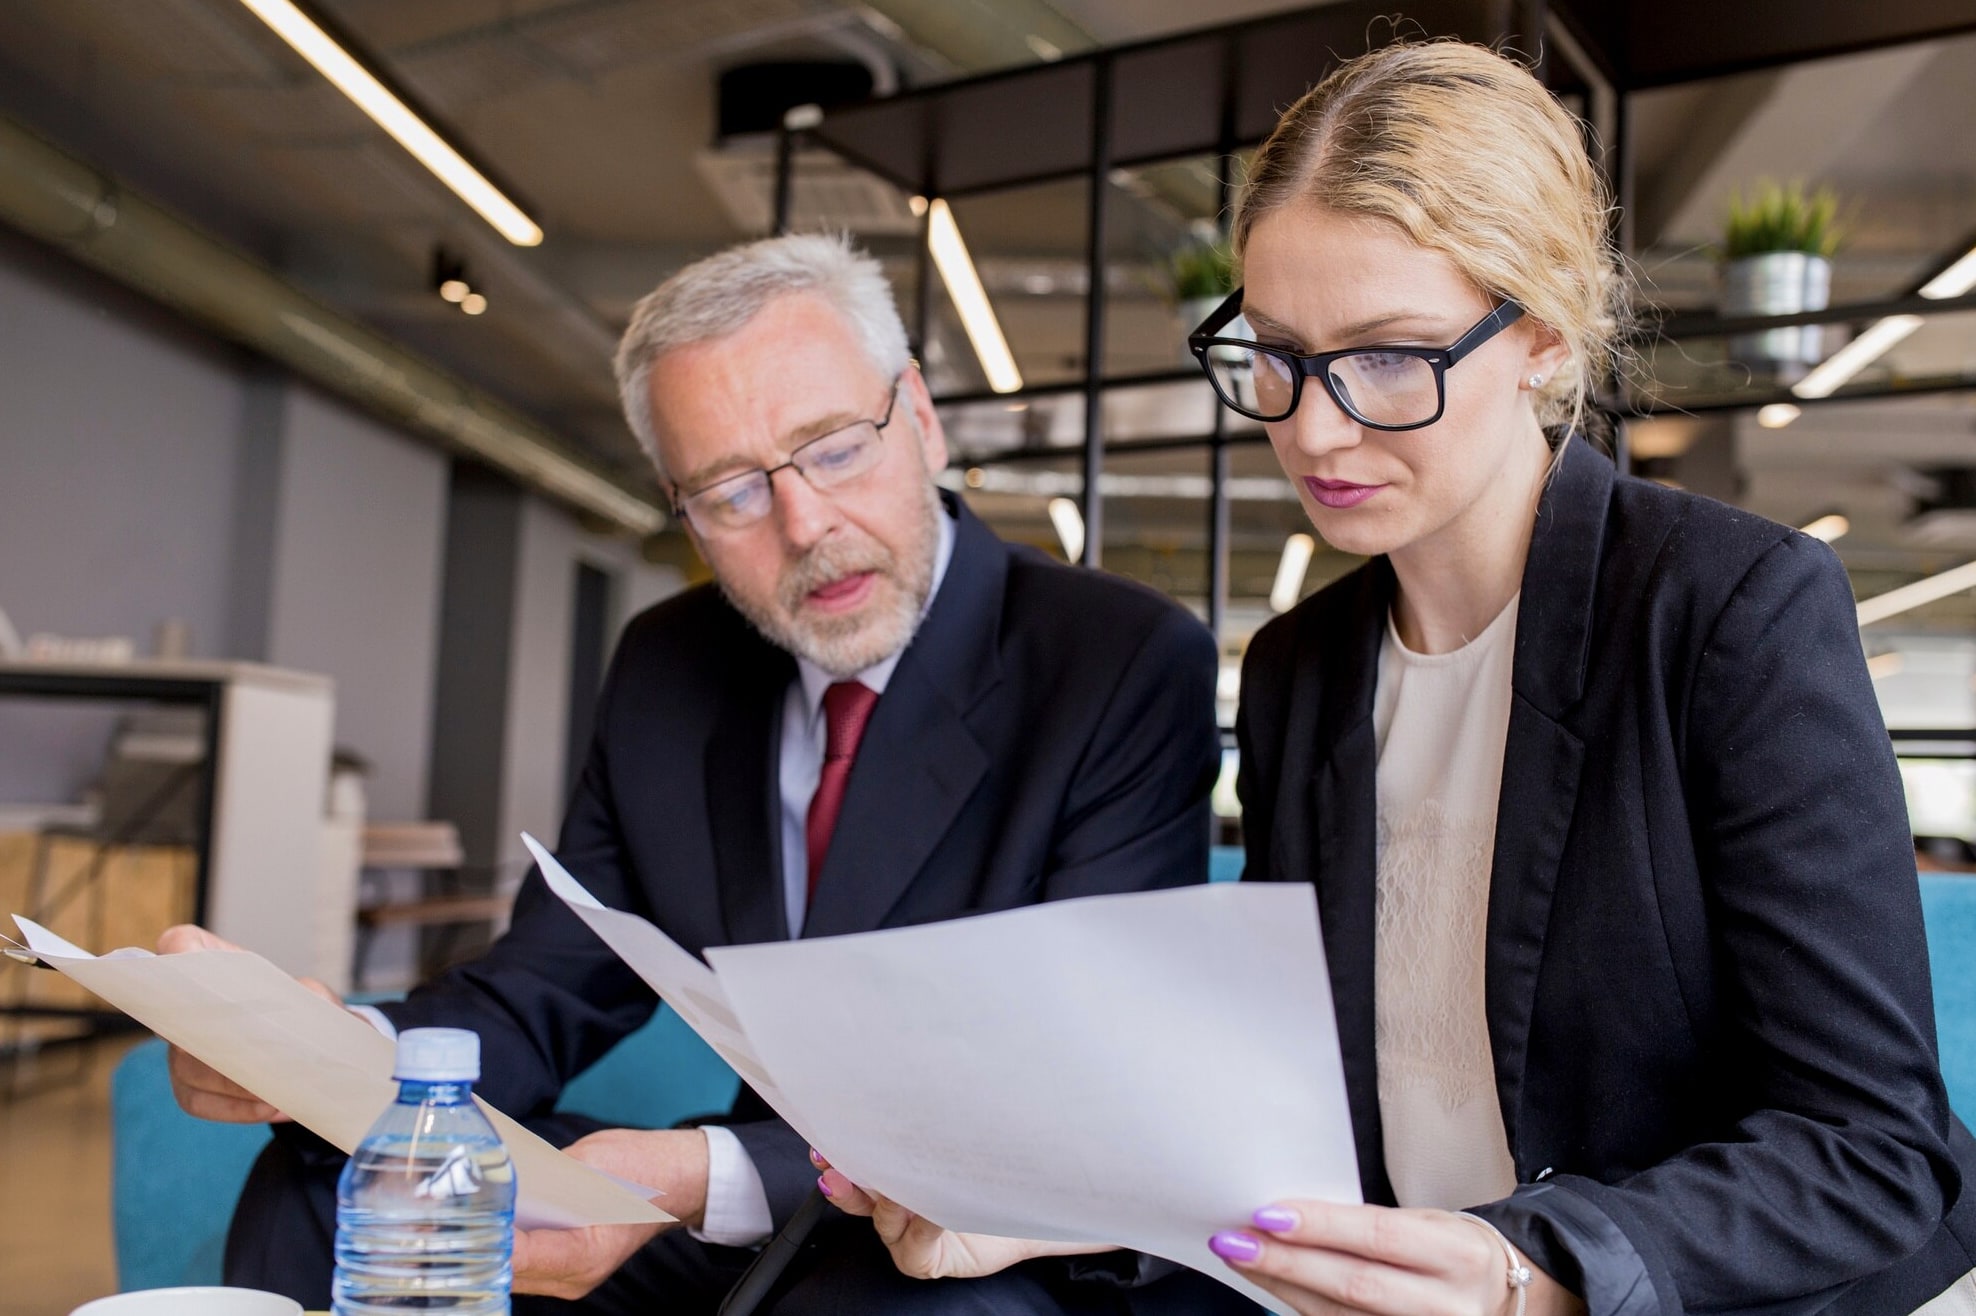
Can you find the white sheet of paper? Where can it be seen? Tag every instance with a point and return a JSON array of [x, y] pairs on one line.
[[323, 1066], [1138, 1069], [675, 973]]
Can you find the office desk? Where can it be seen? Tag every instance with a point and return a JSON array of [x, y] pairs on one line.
[[262, 878]]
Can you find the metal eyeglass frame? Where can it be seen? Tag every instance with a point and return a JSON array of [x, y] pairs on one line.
[[794, 463], [1318, 364]]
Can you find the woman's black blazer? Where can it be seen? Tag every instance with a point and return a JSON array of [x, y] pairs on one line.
[[1707, 984]]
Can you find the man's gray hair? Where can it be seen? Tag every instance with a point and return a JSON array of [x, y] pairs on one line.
[[716, 296]]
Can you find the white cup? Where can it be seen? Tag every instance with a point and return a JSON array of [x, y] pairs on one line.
[[202, 1301]]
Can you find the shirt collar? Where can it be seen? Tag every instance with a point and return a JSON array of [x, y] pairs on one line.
[[874, 678]]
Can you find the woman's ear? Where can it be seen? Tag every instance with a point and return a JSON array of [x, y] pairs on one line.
[[1548, 354]]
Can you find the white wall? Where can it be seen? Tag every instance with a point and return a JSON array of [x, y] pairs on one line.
[[354, 584], [148, 472], [120, 434], [552, 544]]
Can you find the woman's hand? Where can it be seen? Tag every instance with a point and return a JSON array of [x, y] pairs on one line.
[[922, 1249], [1325, 1259]]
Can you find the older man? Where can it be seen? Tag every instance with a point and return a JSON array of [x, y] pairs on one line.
[[883, 715]]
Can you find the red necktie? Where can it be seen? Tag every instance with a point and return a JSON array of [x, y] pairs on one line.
[[847, 707]]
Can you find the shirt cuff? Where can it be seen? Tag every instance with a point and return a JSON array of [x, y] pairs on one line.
[[737, 1203], [375, 1017]]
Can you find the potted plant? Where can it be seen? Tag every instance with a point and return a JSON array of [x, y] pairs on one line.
[[1777, 260], [1202, 274]]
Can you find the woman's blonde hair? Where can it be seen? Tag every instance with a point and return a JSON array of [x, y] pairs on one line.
[[1466, 154]]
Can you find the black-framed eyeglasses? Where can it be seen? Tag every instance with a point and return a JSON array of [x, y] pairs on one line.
[[1380, 387], [828, 461]]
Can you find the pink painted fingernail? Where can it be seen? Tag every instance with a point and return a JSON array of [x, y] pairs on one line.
[[1230, 1245], [1275, 1219], [816, 1158], [823, 1186]]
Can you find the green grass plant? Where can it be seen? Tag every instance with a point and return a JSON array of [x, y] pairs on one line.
[[1779, 218]]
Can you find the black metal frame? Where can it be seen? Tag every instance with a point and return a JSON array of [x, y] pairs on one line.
[[1229, 82]]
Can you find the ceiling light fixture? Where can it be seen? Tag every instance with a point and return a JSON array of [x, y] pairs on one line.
[[473, 303], [391, 114], [1290, 569], [1828, 527], [454, 290], [984, 331], [1954, 281], [1855, 356], [1069, 521], [1777, 415], [1926, 590]]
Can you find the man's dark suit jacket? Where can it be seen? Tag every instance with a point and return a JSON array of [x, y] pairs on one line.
[[1048, 733], [1707, 985]]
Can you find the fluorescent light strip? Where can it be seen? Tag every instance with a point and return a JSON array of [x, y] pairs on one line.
[[391, 114], [1829, 527], [1855, 356], [1954, 281], [1777, 415], [1289, 585], [1069, 521], [1926, 590], [984, 331]]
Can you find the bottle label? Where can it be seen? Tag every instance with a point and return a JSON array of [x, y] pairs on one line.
[[457, 1176]]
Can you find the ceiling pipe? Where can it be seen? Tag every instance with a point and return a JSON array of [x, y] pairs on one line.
[[52, 196]]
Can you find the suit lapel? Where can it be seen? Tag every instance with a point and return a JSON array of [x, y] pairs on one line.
[[1343, 813], [1543, 756], [918, 763], [743, 794]]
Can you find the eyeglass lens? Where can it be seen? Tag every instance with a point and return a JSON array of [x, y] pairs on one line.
[[1380, 388], [834, 459]]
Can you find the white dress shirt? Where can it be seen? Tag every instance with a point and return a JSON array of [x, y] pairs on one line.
[[737, 1204]]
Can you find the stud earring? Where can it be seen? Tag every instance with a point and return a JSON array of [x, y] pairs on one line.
[[1536, 381]]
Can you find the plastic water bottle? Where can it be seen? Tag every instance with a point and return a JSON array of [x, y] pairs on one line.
[[425, 1210]]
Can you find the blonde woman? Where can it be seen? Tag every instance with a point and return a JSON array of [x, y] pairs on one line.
[[1615, 876]]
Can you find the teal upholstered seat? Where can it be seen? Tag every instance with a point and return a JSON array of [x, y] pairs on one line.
[[175, 1179], [1948, 903]]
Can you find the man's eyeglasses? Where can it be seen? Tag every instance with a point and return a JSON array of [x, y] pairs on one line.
[[1383, 388], [827, 462]]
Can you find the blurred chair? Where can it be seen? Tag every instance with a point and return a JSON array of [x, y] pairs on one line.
[[147, 799], [174, 1179], [453, 896], [1948, 904]]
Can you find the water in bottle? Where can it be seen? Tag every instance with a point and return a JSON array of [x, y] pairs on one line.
[[425, 1209]]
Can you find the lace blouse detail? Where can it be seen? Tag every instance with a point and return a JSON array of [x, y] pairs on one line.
[[1441, 721], [1432, 910]]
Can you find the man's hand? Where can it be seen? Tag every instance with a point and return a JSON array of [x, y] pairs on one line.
[[569, 1263], [922, 1249], [202, 1090]]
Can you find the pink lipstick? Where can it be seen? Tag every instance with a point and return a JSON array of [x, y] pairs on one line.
[[1339, 493]]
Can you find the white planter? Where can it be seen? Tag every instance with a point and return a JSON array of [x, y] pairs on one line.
[[1193, 310], [1777, 283]]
